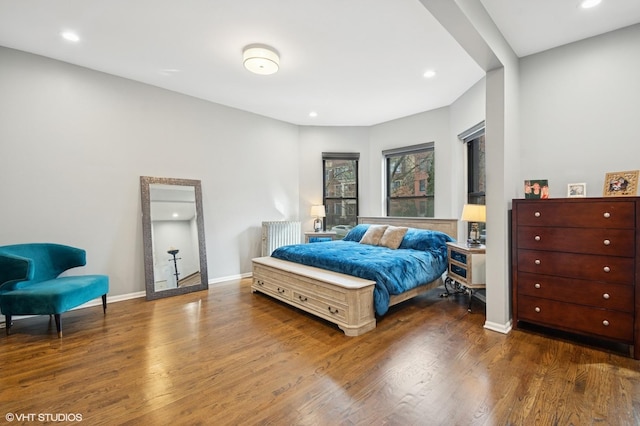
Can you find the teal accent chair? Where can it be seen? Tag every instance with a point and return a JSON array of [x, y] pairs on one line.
[[30, 282]]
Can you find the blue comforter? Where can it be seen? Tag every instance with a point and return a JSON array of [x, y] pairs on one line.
[[421, 258]]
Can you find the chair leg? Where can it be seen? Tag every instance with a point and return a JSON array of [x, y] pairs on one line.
[[7, 323], [58, 324], [104, 303]]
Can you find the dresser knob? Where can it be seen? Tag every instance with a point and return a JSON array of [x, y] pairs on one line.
[[606, 269], [537, 214], [537, 285], [606, 242], [607, 215], [537, 238], [537, 261], [605, 323], [606, 296], [537, 309]]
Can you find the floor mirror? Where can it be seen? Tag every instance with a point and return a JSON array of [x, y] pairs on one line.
[[175, 257]]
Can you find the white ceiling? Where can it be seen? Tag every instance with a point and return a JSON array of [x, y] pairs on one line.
[[354, 62]]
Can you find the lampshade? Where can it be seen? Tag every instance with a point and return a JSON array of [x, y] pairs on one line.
[[474, 213], [260, 59], [318, 211]]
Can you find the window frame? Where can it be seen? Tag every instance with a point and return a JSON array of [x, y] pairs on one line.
[[471, 139], [353, 156], [407, 150]]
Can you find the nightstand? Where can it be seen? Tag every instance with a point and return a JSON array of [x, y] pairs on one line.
[[316, 237], [466, 270]]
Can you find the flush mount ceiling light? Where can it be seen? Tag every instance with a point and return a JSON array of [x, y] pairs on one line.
[[260, 59]]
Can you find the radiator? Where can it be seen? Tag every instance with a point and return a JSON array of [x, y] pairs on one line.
[[278, 234]]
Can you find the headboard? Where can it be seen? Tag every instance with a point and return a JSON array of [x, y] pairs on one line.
[[448, 226]]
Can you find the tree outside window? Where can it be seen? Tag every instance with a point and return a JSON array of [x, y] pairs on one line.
[[340, 178], [410, 176]]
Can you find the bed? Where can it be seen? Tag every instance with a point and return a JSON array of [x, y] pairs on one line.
[[349, 282]]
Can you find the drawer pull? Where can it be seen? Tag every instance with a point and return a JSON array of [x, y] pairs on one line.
[[606, 242], [537, 238], [537, 261], [332, 310], [606, 215], [260, 283], [537, 309], [605, 323], [606, 296], [281, 290], [537, 214], [537, 285], [606, 269], [302, 298]]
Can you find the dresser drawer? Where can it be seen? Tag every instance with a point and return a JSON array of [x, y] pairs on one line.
[[617, 297], [609, 242], [600, 214], [583, 266], [600, 322]]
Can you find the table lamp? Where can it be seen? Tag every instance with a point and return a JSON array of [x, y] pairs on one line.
[[474, 213], [318, 212]]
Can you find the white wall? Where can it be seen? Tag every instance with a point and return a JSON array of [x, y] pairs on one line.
[[314, 141], [580, 106], [467, 111], [74, 143], [430, 126]]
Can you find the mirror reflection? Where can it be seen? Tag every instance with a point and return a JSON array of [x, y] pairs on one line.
[[173, 228]]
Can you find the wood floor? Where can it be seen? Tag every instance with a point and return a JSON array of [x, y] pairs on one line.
[[228, 356]]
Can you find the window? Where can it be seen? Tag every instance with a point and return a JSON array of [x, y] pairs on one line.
[[476, 177], [340, 182], [410, 174]]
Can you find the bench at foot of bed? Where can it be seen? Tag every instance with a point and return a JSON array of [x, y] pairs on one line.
[[341, 299]]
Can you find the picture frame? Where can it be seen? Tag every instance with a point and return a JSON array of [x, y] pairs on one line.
[[576, 190], [621, 184], [536, 188]]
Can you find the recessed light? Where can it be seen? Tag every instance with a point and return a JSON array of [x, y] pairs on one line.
[[587, 4], [175, 215], [168, 71], [70, 36], [313, 114], [429, 74]]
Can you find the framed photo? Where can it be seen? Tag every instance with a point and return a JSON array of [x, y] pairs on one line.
[[575, 190], [621, 184], [536, 188]]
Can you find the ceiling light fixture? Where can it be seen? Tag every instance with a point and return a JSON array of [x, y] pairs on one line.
[[313, 114], [429, 74], [261, 59], [587, 4], [70, 36]]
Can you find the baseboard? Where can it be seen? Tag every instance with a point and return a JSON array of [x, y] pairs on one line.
[[500, 328], [135, 295], [223, 280]]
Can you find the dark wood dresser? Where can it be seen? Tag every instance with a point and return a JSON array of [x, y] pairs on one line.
[[575, 266]]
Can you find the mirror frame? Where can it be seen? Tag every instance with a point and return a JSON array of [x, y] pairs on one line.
[[152, 293]]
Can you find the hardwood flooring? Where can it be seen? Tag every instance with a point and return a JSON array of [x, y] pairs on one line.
[[231, 357]]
